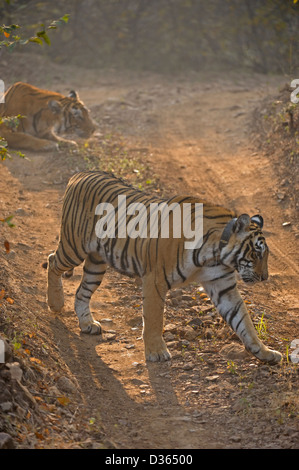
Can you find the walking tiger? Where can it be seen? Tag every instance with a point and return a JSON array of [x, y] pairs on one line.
[[230, 245]]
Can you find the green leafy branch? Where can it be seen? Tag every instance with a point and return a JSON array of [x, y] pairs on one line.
[[41, 37], [12, 122], [7, 221], [4, 153]]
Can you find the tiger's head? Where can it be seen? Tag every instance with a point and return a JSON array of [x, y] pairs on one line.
[[73, 116], [245, 248]]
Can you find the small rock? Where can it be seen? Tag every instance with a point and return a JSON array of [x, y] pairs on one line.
[[136, 321], [235, 438], [174, 345], [20, 211], [21, 412], [175, 293], [53, 391], [189, 333], [280, 196], [136, 364], [209, 333], [169, 336], [110, 336], [6, 406], [66, 385], [188, 366], [16, 372], [195, 323], [137, 382], [6, 441], [171, 327], [212, 378], [234, 351]]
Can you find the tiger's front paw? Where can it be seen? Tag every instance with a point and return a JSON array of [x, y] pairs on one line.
[[55, 305], [272, 357], [160, 354], [71, 144], [91, 327]]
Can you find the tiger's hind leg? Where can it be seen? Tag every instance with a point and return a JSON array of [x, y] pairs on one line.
[[22, 140], [93, 272], [56, 269]]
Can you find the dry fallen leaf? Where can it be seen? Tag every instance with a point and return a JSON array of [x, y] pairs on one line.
[[63, 400], [35, 359], [7, 246]]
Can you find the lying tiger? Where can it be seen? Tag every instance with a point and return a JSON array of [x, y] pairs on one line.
[[230, 245], [45, 115]]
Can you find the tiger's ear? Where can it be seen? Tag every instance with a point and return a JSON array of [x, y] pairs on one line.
[[258, 220], [55, 106], [242, 223], [73, 94]]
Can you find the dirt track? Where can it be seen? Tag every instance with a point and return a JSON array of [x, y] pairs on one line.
[[194, 133]]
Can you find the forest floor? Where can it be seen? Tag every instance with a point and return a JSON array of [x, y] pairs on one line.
[[195, 134]]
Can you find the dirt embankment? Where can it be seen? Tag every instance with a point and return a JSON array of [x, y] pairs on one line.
[[188, 134]]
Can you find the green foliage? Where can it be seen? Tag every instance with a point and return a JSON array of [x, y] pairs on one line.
[[7, 221], [261, 328], [231, 366], [40, 37], [4, 153], [11, 122]]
